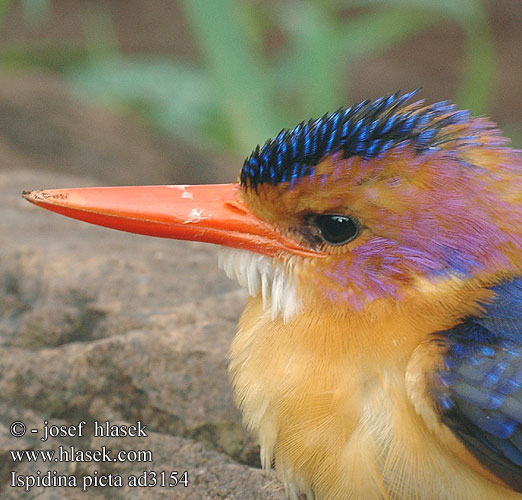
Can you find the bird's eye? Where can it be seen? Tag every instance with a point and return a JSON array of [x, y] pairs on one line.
[[337, 229]]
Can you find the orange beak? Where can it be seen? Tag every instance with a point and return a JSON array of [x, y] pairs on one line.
[[211, 213]]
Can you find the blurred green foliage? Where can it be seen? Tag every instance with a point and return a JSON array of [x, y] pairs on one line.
[[239, 95]]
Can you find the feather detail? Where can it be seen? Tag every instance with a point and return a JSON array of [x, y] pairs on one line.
[[260, 274], [427, 360], [477, 388], [328, 397]]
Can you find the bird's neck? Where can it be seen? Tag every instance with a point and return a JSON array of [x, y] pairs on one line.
[[324, 391]]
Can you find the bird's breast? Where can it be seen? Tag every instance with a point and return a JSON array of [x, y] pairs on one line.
[[330, 407]]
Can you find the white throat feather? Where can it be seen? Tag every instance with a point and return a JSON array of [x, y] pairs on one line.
[[261, 274]]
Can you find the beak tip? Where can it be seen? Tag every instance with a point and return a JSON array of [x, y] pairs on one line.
[[43, 196], [29, 195]]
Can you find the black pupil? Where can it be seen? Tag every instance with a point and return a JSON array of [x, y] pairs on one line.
[[336, 229]]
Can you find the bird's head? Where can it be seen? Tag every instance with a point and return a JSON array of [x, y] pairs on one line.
[[366, 204]]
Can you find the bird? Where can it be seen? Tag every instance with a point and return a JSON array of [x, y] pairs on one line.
[[379, 354]]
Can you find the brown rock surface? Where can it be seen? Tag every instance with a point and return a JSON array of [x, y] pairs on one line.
[[101, 325]]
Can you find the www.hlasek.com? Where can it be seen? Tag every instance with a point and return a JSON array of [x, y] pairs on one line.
[[53, 479]]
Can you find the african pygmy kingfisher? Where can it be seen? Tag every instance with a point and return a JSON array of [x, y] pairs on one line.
[[380, 353]]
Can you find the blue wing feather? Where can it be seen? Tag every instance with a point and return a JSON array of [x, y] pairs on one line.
[[479, 393]]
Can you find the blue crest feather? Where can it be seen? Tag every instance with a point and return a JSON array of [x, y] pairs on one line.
[[367, 129]]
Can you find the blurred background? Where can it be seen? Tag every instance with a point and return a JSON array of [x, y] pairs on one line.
[[155, 91]]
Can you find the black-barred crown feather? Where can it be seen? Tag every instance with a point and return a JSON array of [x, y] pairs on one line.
[[367, 129]]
